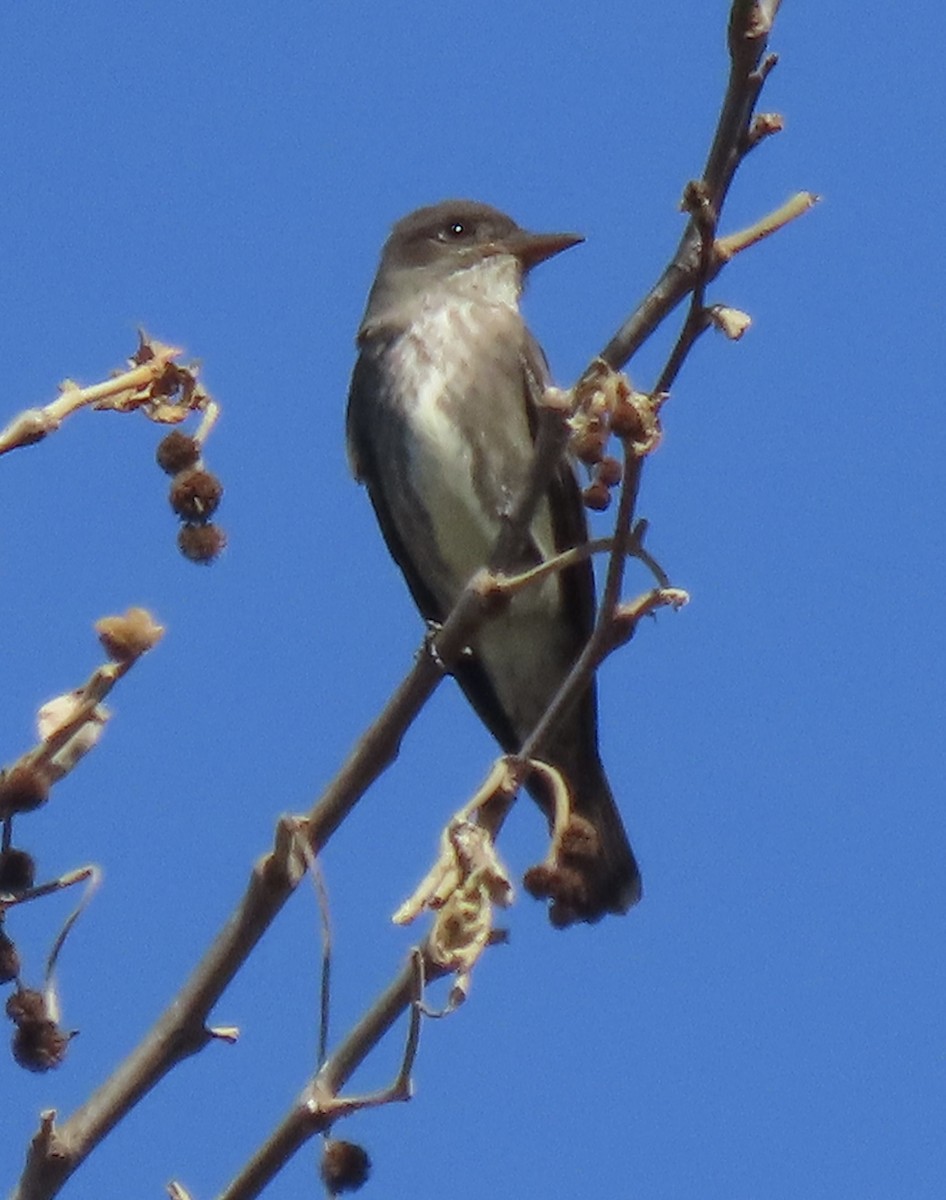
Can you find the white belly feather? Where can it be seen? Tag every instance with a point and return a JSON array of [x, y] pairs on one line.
[[517, 646]]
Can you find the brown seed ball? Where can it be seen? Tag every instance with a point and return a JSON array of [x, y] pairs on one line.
[[177, 452], [589, 445], [580, 841], [609, 472], [596, 496], [27, 1006], [538, 880], [195, 494], [17, 870], [626, 421], [345, 1166], [40, 1047], [201, 543]]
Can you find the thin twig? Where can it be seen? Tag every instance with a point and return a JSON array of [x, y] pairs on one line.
[[92, 877], [69, 879], [695, 263], [72, 723], [154, 383], [309, 1117], [793, 208], [750, 22], [325, 929]]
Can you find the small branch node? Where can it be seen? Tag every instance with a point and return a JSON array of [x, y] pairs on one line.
[[627, 616], [224, 1033], [731, 322], [697, 203], [763, 125], [765, 68]]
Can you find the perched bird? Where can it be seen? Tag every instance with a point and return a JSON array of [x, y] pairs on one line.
[[440, 426]]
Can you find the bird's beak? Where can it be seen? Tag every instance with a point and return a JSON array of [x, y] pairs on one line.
[[533, 248]]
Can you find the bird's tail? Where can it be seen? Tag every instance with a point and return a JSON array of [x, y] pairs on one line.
[[593, 870]]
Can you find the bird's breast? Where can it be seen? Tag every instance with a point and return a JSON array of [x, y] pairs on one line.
[[460, 388]]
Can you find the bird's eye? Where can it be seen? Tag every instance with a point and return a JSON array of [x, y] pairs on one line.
[[454, 231]]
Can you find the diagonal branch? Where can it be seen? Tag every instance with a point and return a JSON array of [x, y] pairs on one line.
[[750, 22]]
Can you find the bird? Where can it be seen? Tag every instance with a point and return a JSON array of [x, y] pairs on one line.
[[440, 428]]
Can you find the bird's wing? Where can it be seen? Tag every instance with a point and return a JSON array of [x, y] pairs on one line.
[[375, 452]]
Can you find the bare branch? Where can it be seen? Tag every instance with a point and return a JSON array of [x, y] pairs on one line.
[[154, 383], [71, 724], [796, 206], [750, 22]]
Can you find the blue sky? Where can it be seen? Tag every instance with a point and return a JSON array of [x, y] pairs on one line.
[[769, 1022]]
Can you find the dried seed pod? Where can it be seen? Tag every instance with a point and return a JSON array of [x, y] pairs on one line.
[[195, 494], [201, 543], [596, 496], [345, 1166], [129, 636], [177, 452], [17, 870], [609, 471]]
